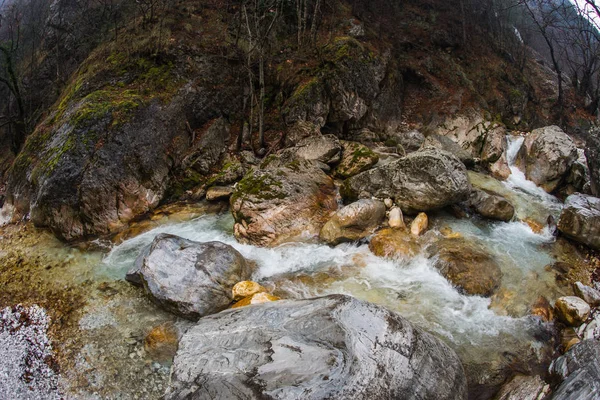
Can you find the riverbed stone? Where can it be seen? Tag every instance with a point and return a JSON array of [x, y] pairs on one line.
[[329, 347], [587, 294], [246, 289], [449, 145], [256, 298], [219, 193], [321, 148], [580, 219], [422, 181], [491, 206], [396, 220], [572, 310], [353, 222], [523, 387], [467, 265], [188, 278], [282, 202], [579, 371], [419, 224], [394, 243]]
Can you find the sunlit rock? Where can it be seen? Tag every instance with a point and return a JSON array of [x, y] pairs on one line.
[[419, 224], [572, 310], [246, 289]]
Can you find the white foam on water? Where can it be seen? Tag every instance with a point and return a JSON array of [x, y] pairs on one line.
[[414, 288], [517, 179]]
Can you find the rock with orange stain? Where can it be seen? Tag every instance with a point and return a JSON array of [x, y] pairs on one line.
[[536, 227], [542, 309], [245, 289], [257, 298]]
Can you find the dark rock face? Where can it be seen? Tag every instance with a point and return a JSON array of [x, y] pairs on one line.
[[324, 348], [207, 151], [467, 265], [491, 206], [88, 173], [284, 201], [580, 219], [579, 370], [592, 153], [422, 181], [188, 278], [356, 89]]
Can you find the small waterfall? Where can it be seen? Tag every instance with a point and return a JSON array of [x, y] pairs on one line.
[[517, 179]]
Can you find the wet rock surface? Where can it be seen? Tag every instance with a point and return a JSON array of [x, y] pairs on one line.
[[491, 206], [329, 347], [467, 265], [353, 222], [580, 219], [579, 371], [523, 387], [394, 243], [422, 181], [188, 278], [282, 202]]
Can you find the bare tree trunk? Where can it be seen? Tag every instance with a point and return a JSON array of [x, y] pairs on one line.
[[261, 109], [313, 28]]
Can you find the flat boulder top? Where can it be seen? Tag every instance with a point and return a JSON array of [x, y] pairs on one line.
[[328, 347]]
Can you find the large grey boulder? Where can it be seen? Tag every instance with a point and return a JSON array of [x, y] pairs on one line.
[[353, 222], [580, 219], [579, 371], [188, 278], [422, 181], [549, 154], [281, 202], [334, 347]]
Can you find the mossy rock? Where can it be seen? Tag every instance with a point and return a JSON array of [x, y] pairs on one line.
[[356, 158]]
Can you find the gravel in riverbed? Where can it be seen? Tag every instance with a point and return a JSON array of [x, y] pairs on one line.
[[26, 355]]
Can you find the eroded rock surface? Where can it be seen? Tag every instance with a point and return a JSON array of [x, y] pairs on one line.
[[328, 347]]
